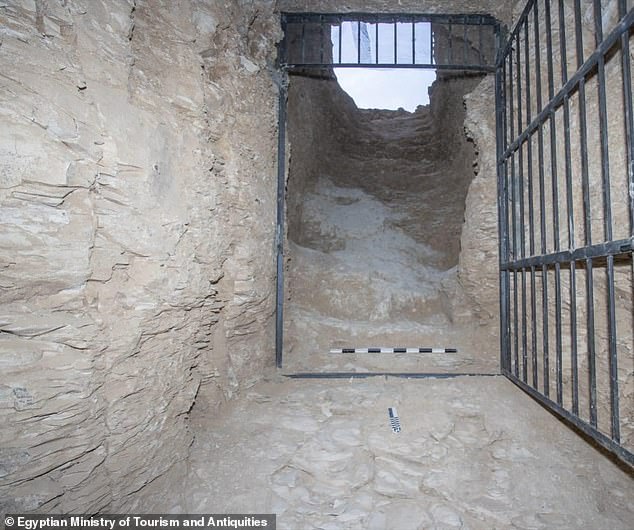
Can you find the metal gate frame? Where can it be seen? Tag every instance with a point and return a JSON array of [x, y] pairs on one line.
[[519, 266], [457, 60]]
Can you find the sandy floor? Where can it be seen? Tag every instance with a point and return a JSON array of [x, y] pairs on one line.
[[474, 452]]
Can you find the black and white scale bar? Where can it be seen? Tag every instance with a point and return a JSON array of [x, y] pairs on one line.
[[395, 422], [394, 350]]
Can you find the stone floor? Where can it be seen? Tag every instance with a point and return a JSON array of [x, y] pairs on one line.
[[474, 452]]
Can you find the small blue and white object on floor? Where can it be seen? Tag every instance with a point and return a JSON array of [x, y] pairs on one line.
[[395, 423]]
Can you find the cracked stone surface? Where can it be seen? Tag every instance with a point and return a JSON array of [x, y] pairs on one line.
[[391, 230], [137, 203], [473, 453]]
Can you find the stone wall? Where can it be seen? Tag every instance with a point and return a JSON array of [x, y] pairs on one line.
[[137, 204], [477, 268]]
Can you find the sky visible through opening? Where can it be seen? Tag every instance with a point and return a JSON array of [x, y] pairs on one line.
[[384, 88]]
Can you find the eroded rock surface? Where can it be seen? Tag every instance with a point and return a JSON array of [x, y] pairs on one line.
[[473, 453], [137, 186], [392, 229]]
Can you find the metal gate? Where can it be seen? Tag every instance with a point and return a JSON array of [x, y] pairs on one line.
[[565, 141]]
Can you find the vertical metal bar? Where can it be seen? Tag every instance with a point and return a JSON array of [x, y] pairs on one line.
[[500, 104], [520, 172], [538, 58], [450, 43], [540, 138], [413, 41], [522, 224], [431, 43], [524, 332], [321, 39], [558, 338], [555, 191], [341, 22], [505, 280], [527, 72], [607, 226], [549, 50], [545, 344], [511, 101], [515, 180], [395, 42], [592, 379], [603, 127], [542, 198], [583, 132], [531, 209], [516, 346], [553, 130], [529, 151], [615, 422], [505, 284], [574, 368], [480, 41], [592, 372], [511, 120], [540, 132], [574, 376], [279, 235], [376, 37], [533, 329], [505, 114], [519, 86], [629, 112], [358, 42]]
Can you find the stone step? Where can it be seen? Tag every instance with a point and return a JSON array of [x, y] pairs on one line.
[[311, 337]]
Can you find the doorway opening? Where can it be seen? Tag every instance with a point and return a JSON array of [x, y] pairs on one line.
[[375, 199], [375, 213]]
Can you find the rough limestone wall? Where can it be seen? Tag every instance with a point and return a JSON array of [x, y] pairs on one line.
[[315, 105], [478, 264], [449, 111], [137, 185]]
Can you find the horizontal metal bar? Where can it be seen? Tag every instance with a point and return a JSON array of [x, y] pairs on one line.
[[601, 439], [605, 46], [468, 19], [601, 250], [467, 67], [401, 375]]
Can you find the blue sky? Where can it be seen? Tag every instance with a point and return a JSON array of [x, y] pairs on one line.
[[384, 88]]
